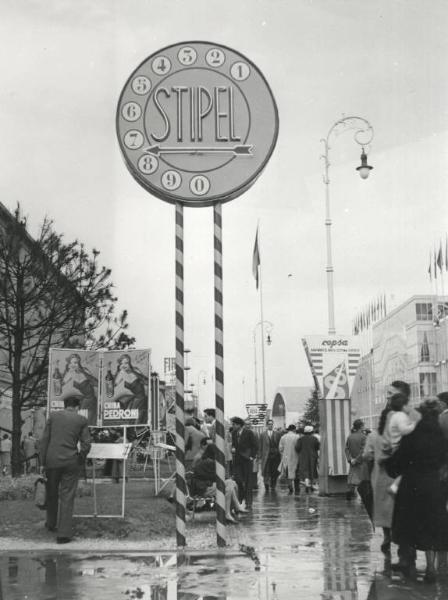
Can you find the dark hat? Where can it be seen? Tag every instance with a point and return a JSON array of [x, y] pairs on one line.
[[237, 421], [211, 412], [358, 423]]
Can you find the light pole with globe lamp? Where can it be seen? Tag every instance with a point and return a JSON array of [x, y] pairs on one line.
[[201, 379], [269, 327], [363, 136]]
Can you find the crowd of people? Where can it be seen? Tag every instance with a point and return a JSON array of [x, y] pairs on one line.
[[403, 463], [290, 454], [406, 462]]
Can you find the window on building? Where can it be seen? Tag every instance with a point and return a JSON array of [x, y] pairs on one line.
[[425, 346], [423, 311], [428, 385]]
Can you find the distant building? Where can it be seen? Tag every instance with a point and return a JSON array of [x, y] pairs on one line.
[[289, 405], [410, 343]]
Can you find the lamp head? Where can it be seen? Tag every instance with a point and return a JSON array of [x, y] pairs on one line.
[[268, 340], [364, 169]]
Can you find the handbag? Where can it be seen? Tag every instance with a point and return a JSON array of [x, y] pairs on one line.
[[40, 493]]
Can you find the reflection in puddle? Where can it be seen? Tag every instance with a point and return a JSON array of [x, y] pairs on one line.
[[319, 554], [168, 576]]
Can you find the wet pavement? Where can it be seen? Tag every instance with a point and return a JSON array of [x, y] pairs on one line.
[[293, 548]]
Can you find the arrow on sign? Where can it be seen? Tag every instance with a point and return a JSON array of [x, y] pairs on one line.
[[245, 150]]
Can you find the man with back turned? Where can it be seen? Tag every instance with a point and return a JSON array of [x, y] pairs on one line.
[[61, 460]]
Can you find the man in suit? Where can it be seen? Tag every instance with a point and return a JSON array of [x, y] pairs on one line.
[[209, 426], [244, 451], [61, 460], [269, 455]]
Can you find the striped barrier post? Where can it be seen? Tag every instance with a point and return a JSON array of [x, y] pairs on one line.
[[219, 380], [181, 489]]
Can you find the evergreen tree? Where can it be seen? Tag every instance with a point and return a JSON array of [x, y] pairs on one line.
[[311, 414]]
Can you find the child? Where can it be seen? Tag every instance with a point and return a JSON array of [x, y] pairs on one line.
[[401, 421]]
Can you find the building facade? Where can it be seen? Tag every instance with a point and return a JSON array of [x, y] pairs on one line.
[[409, 343]]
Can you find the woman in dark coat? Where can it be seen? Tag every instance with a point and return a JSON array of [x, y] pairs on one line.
[[307, 447], [418, 519]]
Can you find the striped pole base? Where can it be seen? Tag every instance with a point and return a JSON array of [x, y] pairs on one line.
[[219, 381], [181, 488]]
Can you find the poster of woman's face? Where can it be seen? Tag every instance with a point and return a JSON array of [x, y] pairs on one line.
[[74, 373], [125, 389]]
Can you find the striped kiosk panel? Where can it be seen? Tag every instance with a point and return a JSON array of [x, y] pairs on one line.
[[181, 488], [337, 429], [219, 380]]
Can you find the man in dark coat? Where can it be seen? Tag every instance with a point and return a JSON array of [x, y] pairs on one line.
[[354, 448], [269, 455], [61, 460], [244, 451]]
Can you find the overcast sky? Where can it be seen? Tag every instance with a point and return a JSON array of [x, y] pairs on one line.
[[63, 64]]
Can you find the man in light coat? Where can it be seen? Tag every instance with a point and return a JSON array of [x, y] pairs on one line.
[[289, 457], [269, 455]]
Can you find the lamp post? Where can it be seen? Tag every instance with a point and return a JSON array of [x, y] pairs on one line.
[[186, 369], [363, 136], [201, 377], [269, 342]]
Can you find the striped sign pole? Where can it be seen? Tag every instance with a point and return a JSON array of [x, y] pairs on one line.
[[181, 488], [219, 380]]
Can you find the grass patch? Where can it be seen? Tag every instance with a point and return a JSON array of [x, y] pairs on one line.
[[146, 516]]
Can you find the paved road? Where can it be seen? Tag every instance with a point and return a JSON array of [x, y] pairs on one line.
[[304, 548]]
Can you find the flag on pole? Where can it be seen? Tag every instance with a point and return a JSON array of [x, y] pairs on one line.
[[439, 258], [430, 267], [256, 260], [446, 252], [435, 265]]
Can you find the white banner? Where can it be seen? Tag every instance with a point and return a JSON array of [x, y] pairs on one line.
[[333, 361]]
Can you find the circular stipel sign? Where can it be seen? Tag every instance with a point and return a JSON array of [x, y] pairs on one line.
[[197, 123]]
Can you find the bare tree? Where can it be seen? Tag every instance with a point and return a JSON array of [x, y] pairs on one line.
[[52, 294]]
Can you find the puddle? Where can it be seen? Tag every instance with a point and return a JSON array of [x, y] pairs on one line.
[[286, 553]]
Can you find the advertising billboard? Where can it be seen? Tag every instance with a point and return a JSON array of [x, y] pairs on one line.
[[333, 361], [74, 373], [113, 387], [125, 388]]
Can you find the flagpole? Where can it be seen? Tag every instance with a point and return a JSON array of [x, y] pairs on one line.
[[263, 365]]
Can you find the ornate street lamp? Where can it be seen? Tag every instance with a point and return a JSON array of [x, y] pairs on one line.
[[363, 136]]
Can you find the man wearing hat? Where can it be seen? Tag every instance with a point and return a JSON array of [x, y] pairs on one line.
[[64, 446], [244, 451], [354, 448], [270, 455]]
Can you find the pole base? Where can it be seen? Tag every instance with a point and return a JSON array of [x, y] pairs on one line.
[[333, 485]]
